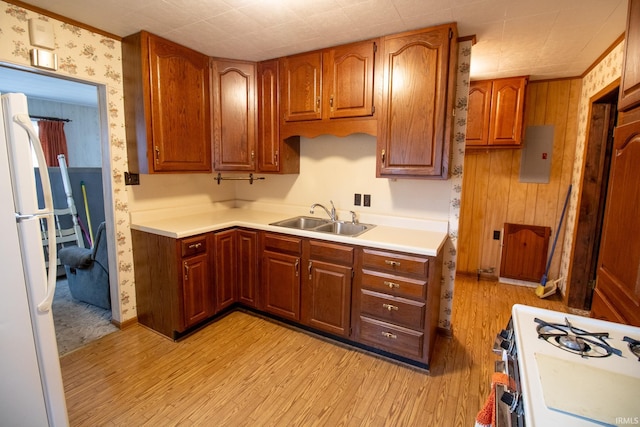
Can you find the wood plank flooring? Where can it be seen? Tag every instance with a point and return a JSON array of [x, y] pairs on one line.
[[247, 371]]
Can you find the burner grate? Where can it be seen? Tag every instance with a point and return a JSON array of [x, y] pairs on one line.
[[634, 346], [574, 340]]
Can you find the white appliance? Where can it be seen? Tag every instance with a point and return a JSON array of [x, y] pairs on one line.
[[571, 370], [31, 389]]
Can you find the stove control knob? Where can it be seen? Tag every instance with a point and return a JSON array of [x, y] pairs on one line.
[[510, 399], [506, 334], [506, 345]]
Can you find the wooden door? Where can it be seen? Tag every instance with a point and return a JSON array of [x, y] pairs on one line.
[[630, 85], [414, 127], [301, 87], [180, 108], [524, 254], [326, 297], [479, 110], [507, 105], [196, 290], [234, 115], [225, 268], [247, 278], [618, 280], [348, 80], [281, 282]]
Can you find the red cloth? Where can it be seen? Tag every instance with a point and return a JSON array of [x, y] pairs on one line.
[[53, 140], [487, 416]]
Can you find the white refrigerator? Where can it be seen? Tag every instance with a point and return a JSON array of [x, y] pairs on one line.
[[31, 389]]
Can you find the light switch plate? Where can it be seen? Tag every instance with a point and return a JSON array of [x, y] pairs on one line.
[[44, 59]]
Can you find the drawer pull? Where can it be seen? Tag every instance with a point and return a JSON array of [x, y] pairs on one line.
[[390, 307], [392, 263], [389, 335], [391, 285], [195, 245]]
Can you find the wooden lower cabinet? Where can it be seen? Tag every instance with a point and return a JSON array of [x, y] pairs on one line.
[[174, 286], [397, 302], [226, 268], [281, 258], [371, 298], [248, 267], [326, 292]]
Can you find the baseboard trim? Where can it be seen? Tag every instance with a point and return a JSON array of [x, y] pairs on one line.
[[126, 324], [445, 332]]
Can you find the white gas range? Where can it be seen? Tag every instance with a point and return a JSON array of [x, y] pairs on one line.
[[570, 370]]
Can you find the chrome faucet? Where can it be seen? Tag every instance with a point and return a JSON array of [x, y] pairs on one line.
[[331, 214]]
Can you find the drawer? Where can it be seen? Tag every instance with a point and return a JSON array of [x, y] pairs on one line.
[[394, 285], [395, 262], [282, 243], [392, 338], [392, 309], [193, 245], [331, 252]]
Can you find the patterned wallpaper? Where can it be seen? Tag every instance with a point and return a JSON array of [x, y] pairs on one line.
[[97, 59], [456, 167], [603, 74]]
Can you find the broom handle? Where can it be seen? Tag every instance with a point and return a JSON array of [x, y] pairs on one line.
[[555, 239]]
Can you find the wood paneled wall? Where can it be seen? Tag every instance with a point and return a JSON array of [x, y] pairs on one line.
[[493, 195]]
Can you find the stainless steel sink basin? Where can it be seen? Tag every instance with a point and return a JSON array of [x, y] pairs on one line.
[[322, 225], [343, 228], [302, 222]]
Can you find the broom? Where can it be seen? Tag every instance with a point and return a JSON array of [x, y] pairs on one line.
[[541, 291]]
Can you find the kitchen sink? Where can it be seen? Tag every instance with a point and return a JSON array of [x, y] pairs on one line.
[[324, 225], [302, 222]]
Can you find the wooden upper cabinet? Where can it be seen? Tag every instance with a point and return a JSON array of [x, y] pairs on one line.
[[630, 85], [234, 115], [414, 127], [329, 91], [167, 106], [348, 80], [302, 86], [274, 154], [496, 112], [479, 108]]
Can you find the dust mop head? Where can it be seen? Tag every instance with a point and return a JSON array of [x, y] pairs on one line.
[[548, 290]]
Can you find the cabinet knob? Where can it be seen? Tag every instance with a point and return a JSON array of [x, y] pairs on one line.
[[195, 245], [389, 335], [392, 263], [391, 285], [390, 307]]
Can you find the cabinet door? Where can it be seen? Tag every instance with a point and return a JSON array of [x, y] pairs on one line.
[[507, 104], [348, 80], [479, 110], [630, 85], [247, 242], [326, 297], [180, 108], [301, 87], [281, 282], [619, 260], [234, 115], [268, 117], [226, 268], [196, 290], [414, 127]]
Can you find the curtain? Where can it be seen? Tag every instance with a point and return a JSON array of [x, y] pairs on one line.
[[53, 141]]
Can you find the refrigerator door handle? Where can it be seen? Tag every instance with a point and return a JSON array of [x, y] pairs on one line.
[[47, 213]]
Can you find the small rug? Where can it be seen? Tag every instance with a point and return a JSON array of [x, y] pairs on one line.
[[77, 323]]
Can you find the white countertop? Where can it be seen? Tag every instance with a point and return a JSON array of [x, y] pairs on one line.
[[423, 240]]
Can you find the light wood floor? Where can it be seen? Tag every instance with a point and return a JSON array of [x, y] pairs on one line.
[[247, 371]]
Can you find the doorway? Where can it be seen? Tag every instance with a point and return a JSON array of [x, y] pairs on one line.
[[595, 180], [81, 105]]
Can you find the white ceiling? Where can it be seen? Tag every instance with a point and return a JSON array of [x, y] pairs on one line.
[[541, 38]]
